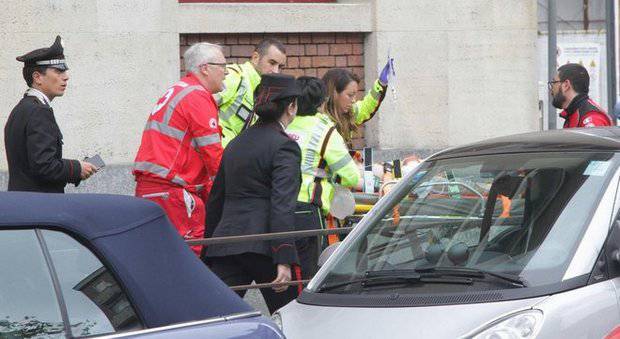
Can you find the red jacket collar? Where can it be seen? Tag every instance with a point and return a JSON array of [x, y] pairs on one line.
[[192, 80]]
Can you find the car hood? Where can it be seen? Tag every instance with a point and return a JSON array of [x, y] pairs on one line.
[[445, 321]]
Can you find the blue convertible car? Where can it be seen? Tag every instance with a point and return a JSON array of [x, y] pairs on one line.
[[83, 265]]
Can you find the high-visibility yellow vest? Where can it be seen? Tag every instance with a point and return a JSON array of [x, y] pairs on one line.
[[236, 101], [365, 109], [319, 173]]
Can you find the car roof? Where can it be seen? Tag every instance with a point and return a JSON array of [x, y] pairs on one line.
[[163, 278], [603, 139], [88, 215]]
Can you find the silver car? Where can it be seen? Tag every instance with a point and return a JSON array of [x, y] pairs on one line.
[[514, 237]]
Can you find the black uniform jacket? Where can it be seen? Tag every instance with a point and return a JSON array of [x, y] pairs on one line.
[[34, 150], [255, 192]]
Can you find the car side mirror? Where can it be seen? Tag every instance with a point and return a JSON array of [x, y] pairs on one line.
[[327, 252]]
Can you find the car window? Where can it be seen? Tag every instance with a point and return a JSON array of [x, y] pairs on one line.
[[95, 302], [518, 214], [28, 304]]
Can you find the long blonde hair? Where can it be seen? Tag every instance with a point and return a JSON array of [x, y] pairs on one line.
[[336, 80]]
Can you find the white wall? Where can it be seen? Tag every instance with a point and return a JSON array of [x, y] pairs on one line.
[[274, 17], [121, 54], [467, 69]]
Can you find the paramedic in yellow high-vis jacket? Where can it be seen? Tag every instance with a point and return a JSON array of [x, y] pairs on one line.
[[236, 101], [325, 161]]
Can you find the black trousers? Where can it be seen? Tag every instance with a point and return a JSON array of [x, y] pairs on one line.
[[308, 217], [242, 269]]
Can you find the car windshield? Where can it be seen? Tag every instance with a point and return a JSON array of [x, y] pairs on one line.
[[510, 218]]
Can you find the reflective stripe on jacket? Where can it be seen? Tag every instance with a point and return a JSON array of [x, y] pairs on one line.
[[365, 109], [310, 133], [236, 101], [181, 142]]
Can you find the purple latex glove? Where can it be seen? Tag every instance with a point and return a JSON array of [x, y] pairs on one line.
[[387, 72]]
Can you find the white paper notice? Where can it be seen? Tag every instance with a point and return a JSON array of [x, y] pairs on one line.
[[597, 168]]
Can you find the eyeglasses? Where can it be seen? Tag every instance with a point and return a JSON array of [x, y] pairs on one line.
[[550, 83], [221, 64]]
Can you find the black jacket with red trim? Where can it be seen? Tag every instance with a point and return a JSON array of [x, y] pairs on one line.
[[255, 192], [33, 143]]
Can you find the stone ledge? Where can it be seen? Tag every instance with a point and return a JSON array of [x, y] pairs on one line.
[[273, 18], [113, 179]]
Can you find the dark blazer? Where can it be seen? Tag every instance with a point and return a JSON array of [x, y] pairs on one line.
[[33, 145], [255, 192]]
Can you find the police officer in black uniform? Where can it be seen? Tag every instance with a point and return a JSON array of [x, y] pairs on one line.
[[255, 192], [32, 137]]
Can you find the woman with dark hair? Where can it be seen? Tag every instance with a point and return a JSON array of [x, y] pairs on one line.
[[343, 107], [325, 162], [255, 192]]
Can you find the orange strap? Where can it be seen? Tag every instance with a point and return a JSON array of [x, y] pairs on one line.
[[395, 216], [331, 224]]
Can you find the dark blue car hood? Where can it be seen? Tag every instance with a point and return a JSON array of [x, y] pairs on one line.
[[164, 280]]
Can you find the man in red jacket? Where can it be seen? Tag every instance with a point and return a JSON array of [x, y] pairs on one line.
[[569, 89], [180, 151]]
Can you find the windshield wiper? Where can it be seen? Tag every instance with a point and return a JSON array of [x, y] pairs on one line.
[[391, 277], [474, 273], [438, 275]]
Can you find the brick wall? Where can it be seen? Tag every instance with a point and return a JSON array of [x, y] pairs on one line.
[[309, 54]]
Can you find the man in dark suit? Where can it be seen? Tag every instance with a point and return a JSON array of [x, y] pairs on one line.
[[255, 192], [32, 138]]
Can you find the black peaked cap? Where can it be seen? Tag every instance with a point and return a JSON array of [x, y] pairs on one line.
[[274, 87], [46, 57]]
